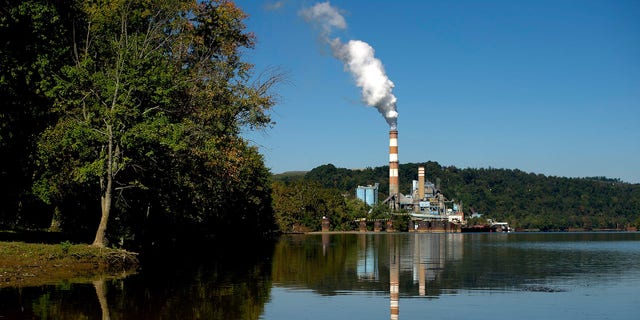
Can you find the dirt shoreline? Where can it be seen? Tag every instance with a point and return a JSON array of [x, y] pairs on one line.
[[36, 264]]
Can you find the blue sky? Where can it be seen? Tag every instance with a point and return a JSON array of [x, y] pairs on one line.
[[549, 87]]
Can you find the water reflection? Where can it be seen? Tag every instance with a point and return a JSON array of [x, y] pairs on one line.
[[101, 292], [227, 286], [367, 259], [430, 265], [394, 279], [428, 254], [424, 257], [431, 253], [333, 276]]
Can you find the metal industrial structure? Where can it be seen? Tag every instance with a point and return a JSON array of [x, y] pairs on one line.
[[368, 194], [429, 209]]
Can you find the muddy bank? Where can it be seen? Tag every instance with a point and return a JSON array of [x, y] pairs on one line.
[[34, 264]]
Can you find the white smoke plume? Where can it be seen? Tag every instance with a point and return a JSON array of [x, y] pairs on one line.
[[358, 58]]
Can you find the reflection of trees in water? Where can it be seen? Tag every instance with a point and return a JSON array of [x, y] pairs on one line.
[[229, 287], [233, 286], [62, 301], [430, 263]]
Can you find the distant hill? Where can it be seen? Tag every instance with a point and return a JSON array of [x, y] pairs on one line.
[[289, 176], [526, 200]]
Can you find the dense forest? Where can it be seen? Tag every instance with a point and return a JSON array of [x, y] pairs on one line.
[[120, 121], [525, 200]]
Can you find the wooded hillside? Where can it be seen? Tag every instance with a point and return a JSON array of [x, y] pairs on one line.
[[525, 200]]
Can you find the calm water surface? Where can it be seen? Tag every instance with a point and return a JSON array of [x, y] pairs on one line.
[[368, 276]]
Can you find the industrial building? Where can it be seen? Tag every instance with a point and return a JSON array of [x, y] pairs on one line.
[[368, 194], [429, 209], [426, 206]]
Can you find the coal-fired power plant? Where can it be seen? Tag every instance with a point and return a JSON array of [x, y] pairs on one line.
[[394, 186]]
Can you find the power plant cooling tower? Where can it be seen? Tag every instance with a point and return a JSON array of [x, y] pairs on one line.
[[393, 164]]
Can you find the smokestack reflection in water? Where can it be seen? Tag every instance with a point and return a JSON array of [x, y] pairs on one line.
[[394, 278]]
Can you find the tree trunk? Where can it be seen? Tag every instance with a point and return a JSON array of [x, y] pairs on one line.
[[105, 201], [55, 220], [105, 198]]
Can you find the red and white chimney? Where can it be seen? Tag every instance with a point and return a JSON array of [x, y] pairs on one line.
[[393, 164], [420, 183]]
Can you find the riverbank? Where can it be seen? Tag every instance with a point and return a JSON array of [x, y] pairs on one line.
[[35, 264]]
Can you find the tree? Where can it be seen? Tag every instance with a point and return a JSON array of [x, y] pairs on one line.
[[157, 94], [34, 43]]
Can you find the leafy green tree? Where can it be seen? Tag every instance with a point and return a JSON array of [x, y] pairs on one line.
[[154, 101], [301, 204], [379, 211], [354, 209]]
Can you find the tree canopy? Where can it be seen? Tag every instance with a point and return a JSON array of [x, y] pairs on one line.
[[144, 110]]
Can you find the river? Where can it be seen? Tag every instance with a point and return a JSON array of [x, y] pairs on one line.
[[367, 276]]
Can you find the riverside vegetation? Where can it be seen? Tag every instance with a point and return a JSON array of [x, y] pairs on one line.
[[30, 264]]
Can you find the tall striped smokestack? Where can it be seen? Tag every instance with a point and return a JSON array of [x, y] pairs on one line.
[[420, 183], [393, 163]]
